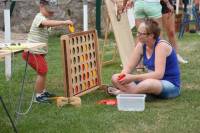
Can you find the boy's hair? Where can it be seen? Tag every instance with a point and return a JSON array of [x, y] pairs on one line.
[[51, 5], [44, 2], [49, 2]]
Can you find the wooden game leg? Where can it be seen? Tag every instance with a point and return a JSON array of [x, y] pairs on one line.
[[105, 40], [104, 45], [61, 101], [75, 101]]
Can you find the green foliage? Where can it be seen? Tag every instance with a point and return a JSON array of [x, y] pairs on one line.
[[176, 115]]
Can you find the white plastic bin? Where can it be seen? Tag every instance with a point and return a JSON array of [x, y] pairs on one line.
[[131, 102]]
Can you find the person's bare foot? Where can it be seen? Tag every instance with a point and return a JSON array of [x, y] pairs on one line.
[[114, 91]]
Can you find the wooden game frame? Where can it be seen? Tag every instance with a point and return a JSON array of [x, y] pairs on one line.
[[122, 32], [81, 64]]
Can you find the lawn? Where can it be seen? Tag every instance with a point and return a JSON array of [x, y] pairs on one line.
[[181, 114]]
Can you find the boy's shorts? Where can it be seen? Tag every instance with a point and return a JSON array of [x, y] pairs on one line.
[[37, 62], [144, 9], [169, 90]]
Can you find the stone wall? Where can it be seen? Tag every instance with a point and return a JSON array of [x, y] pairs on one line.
[[25, 11]]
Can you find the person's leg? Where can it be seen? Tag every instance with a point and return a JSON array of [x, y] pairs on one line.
[[153, 11], [149, 86], [117, 85], [139, 15], [159, 21], [169, 27], [39, 64], [169, 90], [161, 88], [40, 83], [168, 20]]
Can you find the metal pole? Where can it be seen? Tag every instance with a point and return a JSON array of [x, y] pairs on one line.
[[98, 16], [4, 106], [7, 39], [85, 15]]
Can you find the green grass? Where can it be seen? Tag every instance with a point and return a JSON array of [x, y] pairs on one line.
[[161, 116]]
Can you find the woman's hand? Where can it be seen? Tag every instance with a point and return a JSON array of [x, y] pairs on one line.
[[129, 4], [171, 8], [125, 78]]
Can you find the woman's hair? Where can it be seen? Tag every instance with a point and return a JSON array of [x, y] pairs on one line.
[[152, 27]]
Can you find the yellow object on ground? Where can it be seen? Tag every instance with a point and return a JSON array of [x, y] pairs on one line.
[[61, 101]]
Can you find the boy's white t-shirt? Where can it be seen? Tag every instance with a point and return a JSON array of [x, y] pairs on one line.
[[38, 34]]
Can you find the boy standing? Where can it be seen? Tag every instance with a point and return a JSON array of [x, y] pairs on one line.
[[39, 34]]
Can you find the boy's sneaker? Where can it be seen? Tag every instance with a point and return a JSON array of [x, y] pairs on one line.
[[48, 95], [42, 99]]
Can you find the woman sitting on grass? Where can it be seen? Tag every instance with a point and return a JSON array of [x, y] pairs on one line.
[[159, 57]]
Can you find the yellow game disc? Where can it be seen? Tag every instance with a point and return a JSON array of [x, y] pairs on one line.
[[71, 28]]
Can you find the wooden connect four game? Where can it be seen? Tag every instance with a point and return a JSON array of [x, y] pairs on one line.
[[81, 63]]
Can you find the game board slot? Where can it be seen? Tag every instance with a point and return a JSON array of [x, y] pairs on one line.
[[80, 78], [77, 50], [96, 81], [83, 67], [86, 66], [74, 60], [94, 73], [88, 84], [81, 48], [90, 54], [77, 40], [79, 68], [93, 82], [91, 65], [84, 86], [85, 38], [93, 45], [94, 63], [86, 57], [88, 75], [94, 55], [89, 46], [73, 50], [73, 42], [78, 59], [88, 37], [92, 36], [81, 39], [77, 91], [82, 58], [81, 87], [83, 76]]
